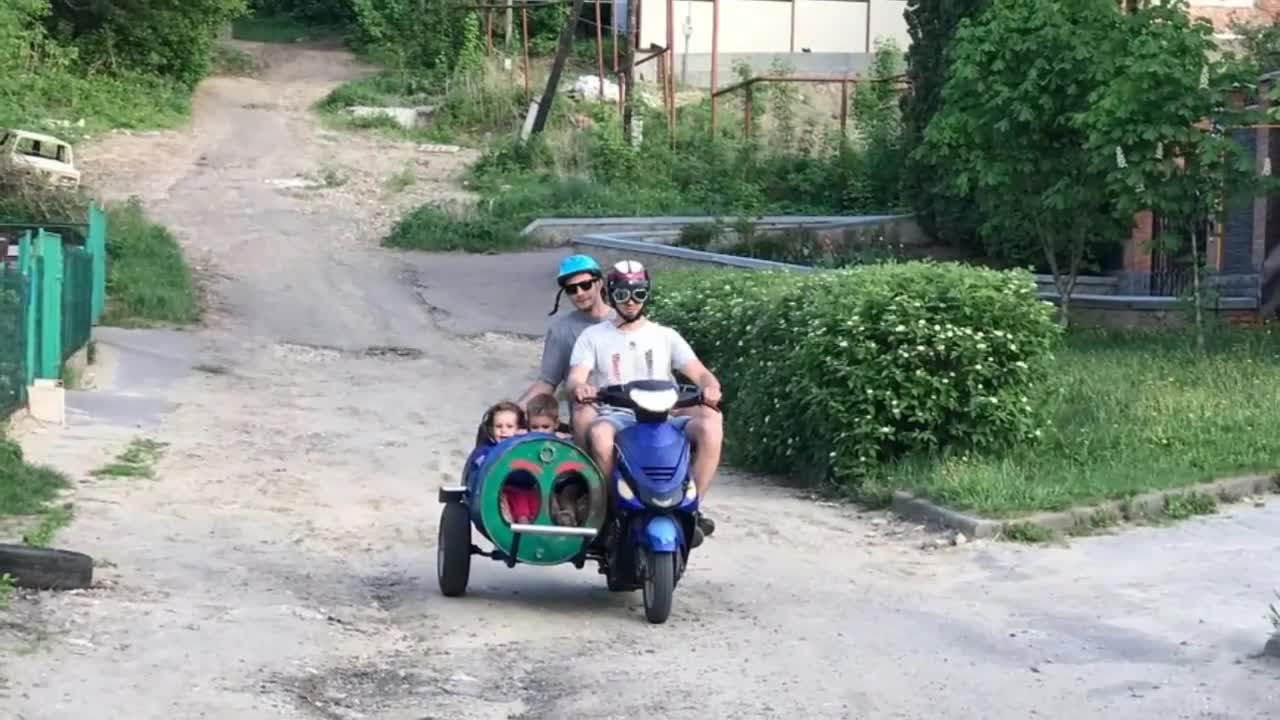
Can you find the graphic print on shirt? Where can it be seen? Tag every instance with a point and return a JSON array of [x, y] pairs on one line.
[[648, 361], [616, 366]]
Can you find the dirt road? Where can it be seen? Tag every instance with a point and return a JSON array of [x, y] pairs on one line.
[[281, 564]]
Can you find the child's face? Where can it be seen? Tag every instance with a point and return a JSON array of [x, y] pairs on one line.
[[505, 425], [543, 423]]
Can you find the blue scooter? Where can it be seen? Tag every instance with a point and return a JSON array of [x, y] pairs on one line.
[[645, 542]]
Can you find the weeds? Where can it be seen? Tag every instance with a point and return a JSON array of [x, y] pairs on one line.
[[136, 461], [402, 180], [232, 61], [51, 521], [1024, 532], [7, 589]]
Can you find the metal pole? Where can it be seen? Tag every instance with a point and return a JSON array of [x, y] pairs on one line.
[[628, 108], [524, 20], [599, 50], [844, 106], [793, 24], [715, 51], [671, 35], [557, 65], [868, 40]]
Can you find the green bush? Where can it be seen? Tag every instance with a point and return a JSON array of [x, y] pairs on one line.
[[148, 280], [835, 372]]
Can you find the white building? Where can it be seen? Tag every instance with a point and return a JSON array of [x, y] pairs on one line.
[[826, 36]]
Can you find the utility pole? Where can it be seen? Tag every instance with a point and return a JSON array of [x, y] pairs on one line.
[[557, 66], [633, 7]]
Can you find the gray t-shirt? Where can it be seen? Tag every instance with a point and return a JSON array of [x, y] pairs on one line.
[[614, 357], [557, 347]]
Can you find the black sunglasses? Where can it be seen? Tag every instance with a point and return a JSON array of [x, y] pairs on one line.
[[575, 288], [622, 295]]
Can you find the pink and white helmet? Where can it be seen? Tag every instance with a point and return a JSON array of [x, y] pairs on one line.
[[628, 273]]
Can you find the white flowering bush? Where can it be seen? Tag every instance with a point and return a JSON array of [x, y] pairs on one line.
[[836, 372]]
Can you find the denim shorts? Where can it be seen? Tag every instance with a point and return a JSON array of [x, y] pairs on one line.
[[623, 418]]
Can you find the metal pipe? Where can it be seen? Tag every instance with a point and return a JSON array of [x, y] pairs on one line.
[[793, 25], [900, 79], [524, 21], [844, 106], [600, 51], [715, 65], [868, 40]]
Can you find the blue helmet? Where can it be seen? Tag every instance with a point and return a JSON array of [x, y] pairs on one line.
[[575, 264]]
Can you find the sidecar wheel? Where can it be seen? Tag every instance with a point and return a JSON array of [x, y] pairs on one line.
[[453, 549], [659, 585]]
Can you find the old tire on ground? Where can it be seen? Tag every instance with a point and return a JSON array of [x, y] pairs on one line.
[[46, 568], [453, 550], [659, 585]]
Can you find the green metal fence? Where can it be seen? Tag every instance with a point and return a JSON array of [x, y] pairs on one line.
[[13, 334], [77, 299], [49, 301]]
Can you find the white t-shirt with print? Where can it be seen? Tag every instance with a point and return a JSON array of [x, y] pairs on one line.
[[614, 357]]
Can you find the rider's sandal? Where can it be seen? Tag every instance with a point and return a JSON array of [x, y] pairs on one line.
[[706, 525]]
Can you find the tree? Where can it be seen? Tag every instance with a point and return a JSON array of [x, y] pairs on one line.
[[1008, 133], [169, 38], [438, 36], [931, 25], [1155, 124]]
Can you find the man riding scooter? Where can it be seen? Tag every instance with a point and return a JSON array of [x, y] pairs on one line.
[[631, 347]]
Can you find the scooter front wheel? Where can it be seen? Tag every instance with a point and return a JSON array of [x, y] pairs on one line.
[[659, 585]]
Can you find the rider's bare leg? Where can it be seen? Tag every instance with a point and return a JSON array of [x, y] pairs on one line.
[[601, 435], [706, 432], [583, 416]]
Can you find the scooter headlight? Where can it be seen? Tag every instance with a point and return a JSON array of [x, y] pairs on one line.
[[691, 492], [655, 401], [624, 491]]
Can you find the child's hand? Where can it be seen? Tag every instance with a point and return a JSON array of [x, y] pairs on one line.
[[564, 435]]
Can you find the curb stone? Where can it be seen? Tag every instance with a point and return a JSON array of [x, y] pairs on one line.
[[1150, 504]]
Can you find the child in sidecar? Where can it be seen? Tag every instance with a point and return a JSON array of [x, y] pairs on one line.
[[519, 500]]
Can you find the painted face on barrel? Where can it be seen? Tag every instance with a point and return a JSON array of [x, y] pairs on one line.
[[505, 425]]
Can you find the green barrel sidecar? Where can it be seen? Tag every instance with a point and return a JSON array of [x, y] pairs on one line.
[[537, 464]]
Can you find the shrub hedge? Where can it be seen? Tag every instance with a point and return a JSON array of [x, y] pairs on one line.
[[833, 373]]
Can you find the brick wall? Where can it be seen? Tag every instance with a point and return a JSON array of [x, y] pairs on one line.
[[1222, 12]]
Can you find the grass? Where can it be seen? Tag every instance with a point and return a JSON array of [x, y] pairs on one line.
[[148, 281], [137, 460], [1124, 415], [280, 29], [26, 490], [75, 107]]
